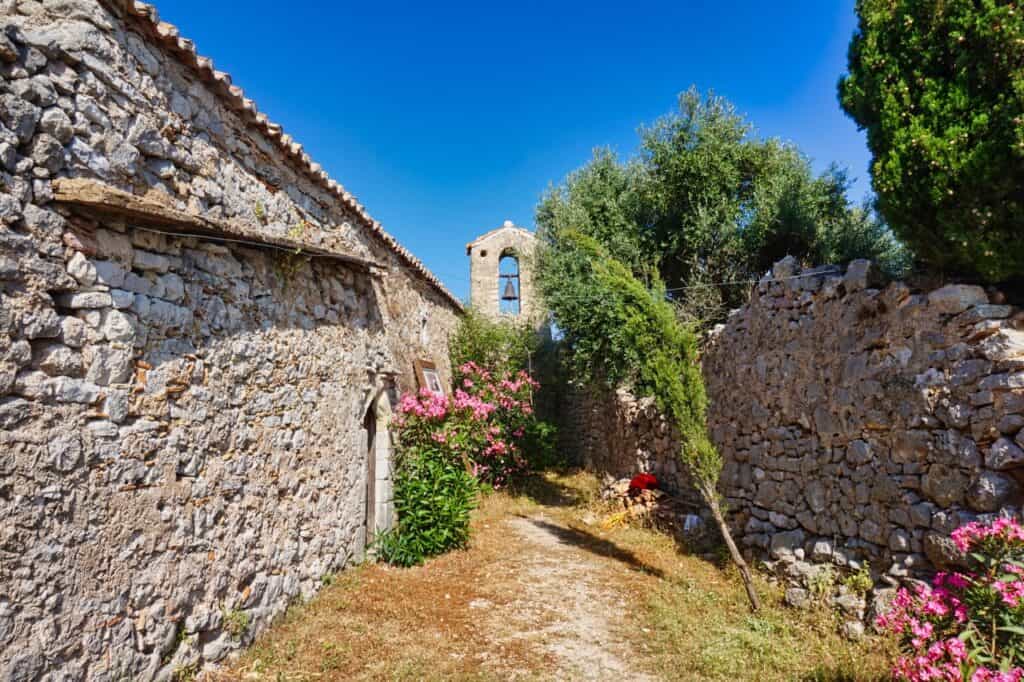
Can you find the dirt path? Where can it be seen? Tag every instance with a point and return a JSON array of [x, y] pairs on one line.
[[563, 600], [545, 592], [533, 598]]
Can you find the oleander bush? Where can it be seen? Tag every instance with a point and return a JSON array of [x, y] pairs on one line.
[[434, 496], [485, 433], [968, 625]]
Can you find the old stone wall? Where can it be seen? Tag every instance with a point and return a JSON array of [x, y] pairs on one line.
[[182, 411], [857, 419], [619, 435]]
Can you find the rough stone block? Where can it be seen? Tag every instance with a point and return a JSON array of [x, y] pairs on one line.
[[990, 491], [82, 270], [85, 300], [40, 323], [944, 485], [786, 543], [1004, 455], [57, 359], [956, 298], [860, 274], [122, 299], [110, 366], [118, 326], [146, 260], [109, 272], [114, 245], [68, 390], [13, 411]]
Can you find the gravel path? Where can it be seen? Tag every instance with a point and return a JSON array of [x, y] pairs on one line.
[[563, 599]]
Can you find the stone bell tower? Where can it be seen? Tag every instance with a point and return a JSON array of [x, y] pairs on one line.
[[501, 273]]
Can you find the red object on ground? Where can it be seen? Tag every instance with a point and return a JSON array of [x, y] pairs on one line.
[[643, 482]]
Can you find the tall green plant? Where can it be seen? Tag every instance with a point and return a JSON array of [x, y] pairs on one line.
[[434, 495], [620, 331], [502, 346], [939, 87]]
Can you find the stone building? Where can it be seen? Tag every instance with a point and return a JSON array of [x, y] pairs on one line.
[[500, 267], [201, 338]]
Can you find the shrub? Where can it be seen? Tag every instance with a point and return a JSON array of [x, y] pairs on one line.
[[938, 86], [540, 445], [503, 346], [446, 445], [970, 624], [860, 582], [236, 622], [434, 495], [822, 583]]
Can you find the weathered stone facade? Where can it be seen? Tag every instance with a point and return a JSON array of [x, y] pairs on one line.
[[857, 419], [200, 338], [485, 284]]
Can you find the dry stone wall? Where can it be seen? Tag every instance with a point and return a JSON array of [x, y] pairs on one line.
[[181, 417], [857, 419], [619, 435], [860, 419]]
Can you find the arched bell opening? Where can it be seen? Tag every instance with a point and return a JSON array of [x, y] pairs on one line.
[[509, 291]]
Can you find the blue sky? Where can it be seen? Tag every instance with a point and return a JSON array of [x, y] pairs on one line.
[[447, 118]]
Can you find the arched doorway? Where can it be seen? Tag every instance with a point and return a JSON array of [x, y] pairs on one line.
[[380, 506]]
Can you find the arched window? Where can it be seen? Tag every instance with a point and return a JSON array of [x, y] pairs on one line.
[[509, 300]]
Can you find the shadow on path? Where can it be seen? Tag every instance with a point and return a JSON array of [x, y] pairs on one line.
[[594, 544], [549, 493]]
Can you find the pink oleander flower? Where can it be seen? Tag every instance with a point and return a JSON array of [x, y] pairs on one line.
[[969, 535], [1011, 592], [482, 421], [983, 674]]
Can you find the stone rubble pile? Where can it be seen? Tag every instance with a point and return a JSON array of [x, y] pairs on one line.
[[659, 509]]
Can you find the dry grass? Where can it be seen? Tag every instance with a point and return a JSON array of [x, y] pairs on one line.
[[685, 618]]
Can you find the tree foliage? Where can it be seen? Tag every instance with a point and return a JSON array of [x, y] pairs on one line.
[[706, 202], [622, 332], [502, 346], [939, 87]]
